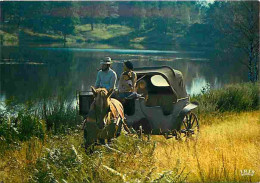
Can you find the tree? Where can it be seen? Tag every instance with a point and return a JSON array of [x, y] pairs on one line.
[[94, 12], [238, 22], [65, 18]]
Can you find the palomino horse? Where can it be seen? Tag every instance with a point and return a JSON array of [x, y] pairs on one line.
[[105, 118]]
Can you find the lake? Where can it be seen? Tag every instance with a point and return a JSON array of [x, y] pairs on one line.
[[33, 71]]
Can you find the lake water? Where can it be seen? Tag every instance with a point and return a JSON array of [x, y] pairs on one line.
[[31, 72]]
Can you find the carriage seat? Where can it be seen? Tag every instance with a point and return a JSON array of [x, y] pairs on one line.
[[165, 101]]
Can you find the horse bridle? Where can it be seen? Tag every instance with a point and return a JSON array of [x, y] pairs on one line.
[[95, 107]]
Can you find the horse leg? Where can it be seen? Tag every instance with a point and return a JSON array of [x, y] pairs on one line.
[[89, 149], [90, 136]]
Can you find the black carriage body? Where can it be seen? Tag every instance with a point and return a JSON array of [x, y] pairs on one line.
[[85, 99]]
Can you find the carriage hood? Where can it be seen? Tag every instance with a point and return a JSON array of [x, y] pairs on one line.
[[172, 76]]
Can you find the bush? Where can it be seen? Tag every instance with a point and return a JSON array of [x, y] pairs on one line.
[[21, 128], [60, 116], [8, 131], [236, 97], [20, 122], [29, 126]]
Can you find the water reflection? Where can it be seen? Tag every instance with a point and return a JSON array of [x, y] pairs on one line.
[[122, 51], [28, 73], [196, 85]]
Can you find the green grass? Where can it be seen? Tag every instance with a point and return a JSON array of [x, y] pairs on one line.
[[101, 32], [83, 33], [8, 37]]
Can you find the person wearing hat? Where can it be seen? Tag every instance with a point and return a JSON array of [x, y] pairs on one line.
[[106, 77], [127, 81]]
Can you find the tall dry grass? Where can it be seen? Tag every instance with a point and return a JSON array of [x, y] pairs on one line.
[[225, 147], [226, 144]]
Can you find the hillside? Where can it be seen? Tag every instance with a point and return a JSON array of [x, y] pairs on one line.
[[112, 34]]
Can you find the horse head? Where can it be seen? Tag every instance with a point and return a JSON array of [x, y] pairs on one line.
[[101, 103], [102, 98]]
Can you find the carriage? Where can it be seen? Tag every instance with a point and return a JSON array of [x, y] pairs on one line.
[[162, 107]]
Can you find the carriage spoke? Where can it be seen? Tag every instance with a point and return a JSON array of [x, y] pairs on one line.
[[184, 123], [189, 125], [194, 119]]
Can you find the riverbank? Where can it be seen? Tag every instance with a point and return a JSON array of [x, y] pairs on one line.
[[222, 150], [107, 34]]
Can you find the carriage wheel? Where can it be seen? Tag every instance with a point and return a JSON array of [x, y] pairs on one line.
[[190, 126]]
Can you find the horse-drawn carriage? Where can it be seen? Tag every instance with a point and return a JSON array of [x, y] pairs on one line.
[[163, 108]]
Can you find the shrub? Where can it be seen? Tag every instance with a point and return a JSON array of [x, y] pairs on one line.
[[60, 116], [8, 131], [29, 126], [236, 97], [23, 121], [21, 128]]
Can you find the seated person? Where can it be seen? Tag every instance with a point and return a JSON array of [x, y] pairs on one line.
[[127, 81], [142, 89], [164, 100], [106, 77], [127, 88]]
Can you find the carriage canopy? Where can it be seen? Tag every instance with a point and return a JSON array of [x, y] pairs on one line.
[[163, 77]]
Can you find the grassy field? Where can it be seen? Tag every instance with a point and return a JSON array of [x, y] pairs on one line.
[[102, 33], [227, 144], [222, 149], [82, 33]]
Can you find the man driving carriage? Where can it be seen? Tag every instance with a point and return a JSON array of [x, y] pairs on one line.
[[106, 77]]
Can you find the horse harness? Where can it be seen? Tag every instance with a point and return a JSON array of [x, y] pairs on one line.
[[112, 109]]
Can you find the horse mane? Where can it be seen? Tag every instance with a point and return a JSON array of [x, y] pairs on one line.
[[99, 90]]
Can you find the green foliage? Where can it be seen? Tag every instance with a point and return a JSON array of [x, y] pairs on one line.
[[236, 97], [8, 131], [22, 122], [60, 116], [63, 17], [18, 123], [23, 127], [29, 126]]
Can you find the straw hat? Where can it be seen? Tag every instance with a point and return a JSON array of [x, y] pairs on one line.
[[106, 60]]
